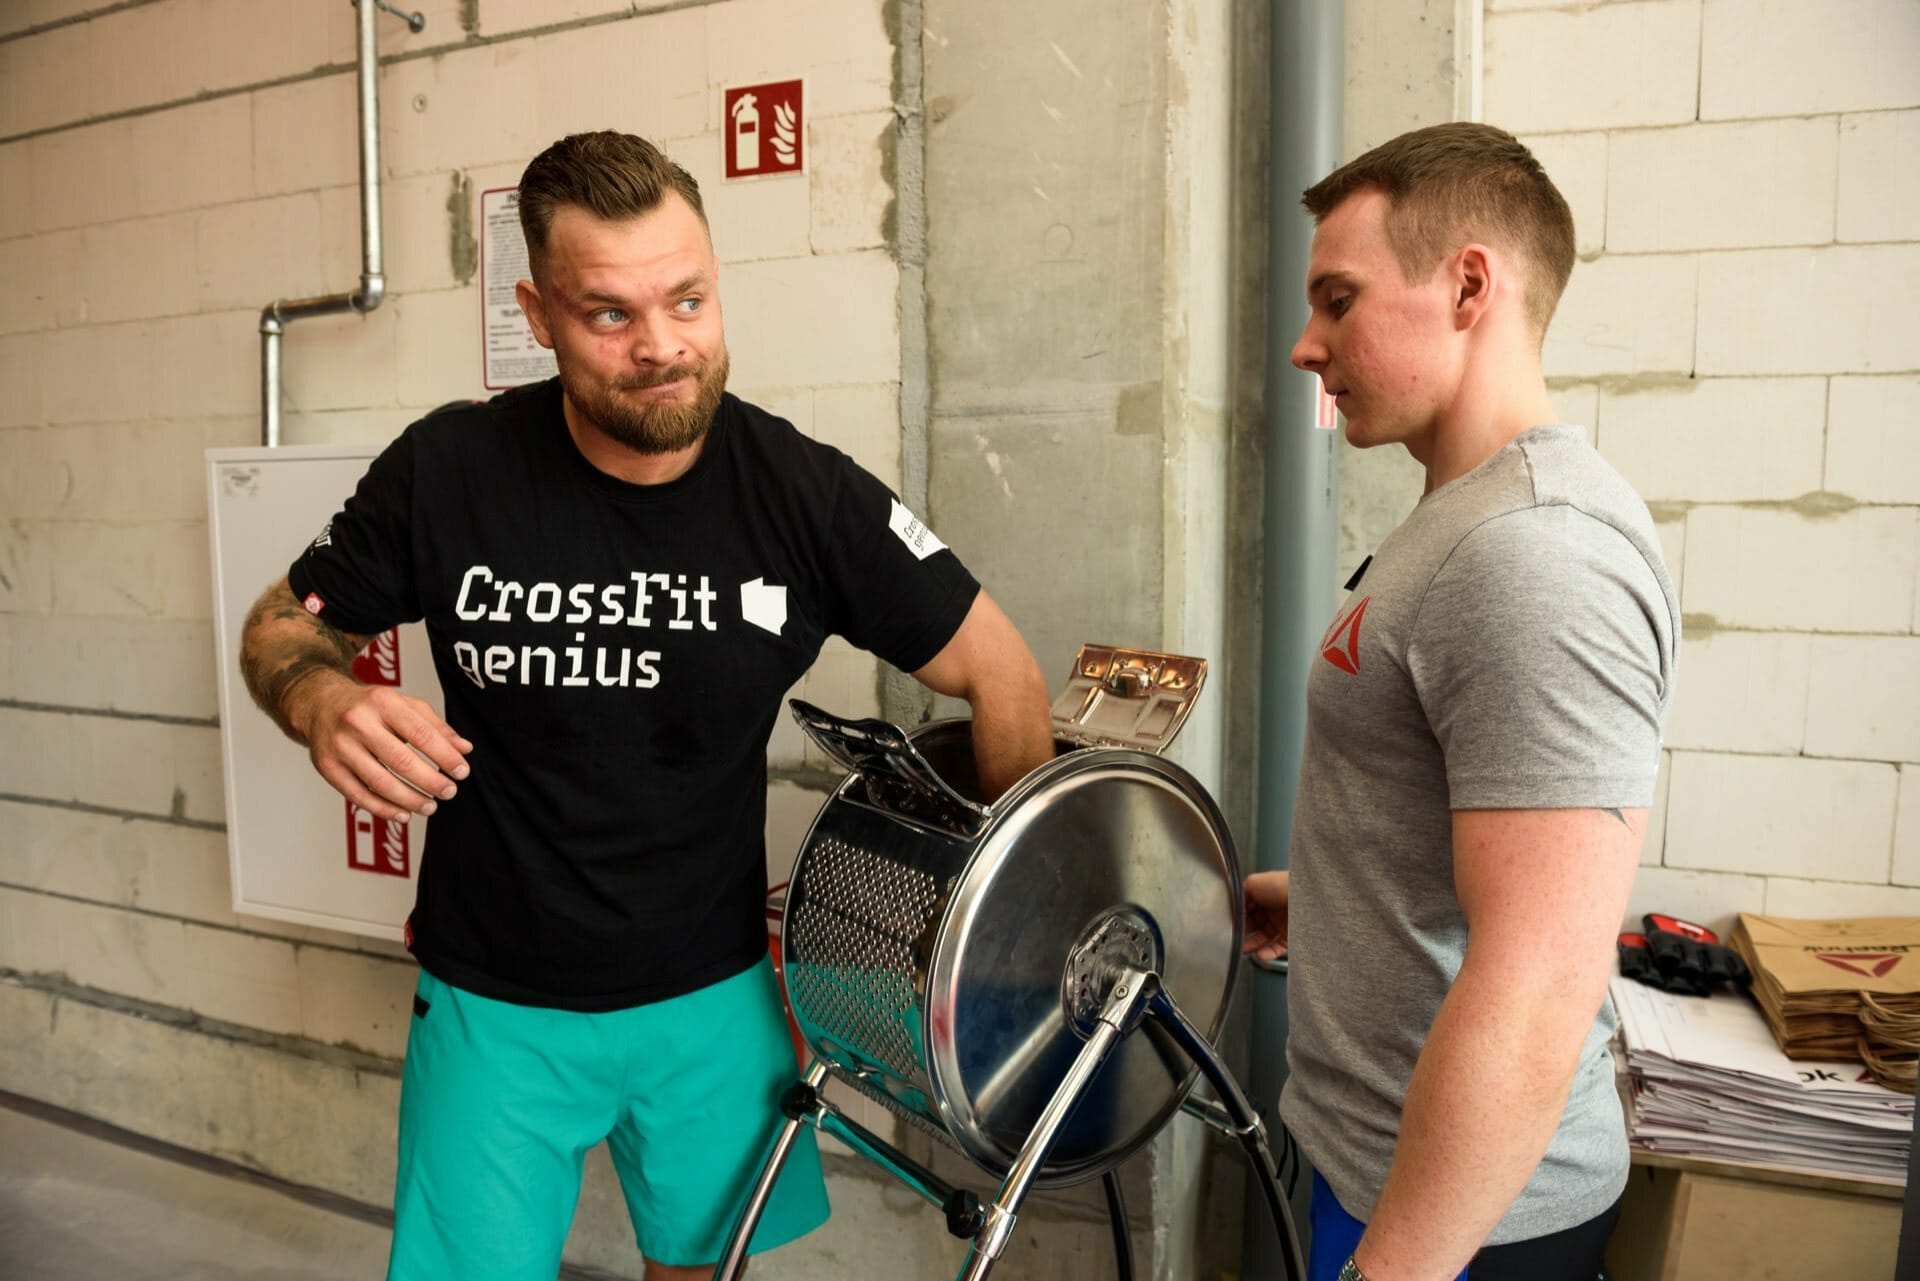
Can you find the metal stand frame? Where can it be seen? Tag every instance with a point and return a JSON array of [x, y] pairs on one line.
[[1134, 995]]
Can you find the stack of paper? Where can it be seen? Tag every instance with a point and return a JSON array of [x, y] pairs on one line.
[[1706, 1078]]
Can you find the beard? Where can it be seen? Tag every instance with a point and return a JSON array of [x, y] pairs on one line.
[[659, 428]]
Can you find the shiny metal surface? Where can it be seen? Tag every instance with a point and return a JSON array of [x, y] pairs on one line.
[[934, 969]]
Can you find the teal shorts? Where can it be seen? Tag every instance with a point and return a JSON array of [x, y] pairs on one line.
[[500, 1103]]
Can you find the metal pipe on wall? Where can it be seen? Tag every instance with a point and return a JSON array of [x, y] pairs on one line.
[[1301, 516], [278, 314]]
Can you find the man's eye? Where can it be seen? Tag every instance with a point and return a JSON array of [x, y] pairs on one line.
[[608, 316], [1338, 306], [688, 305]]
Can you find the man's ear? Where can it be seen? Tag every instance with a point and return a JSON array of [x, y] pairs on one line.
[[535, 308], [1477, 277]]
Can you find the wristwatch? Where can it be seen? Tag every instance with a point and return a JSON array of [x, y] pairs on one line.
[[1350, 1271]]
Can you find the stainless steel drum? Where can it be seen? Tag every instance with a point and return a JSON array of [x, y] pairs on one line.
[[1036, 981], [942, 954]]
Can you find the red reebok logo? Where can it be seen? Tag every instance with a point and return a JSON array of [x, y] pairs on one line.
[[1341, 645], [1873, 965]]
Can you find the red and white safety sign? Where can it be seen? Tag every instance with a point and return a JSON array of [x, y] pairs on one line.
[[375, 844], [765, 129]]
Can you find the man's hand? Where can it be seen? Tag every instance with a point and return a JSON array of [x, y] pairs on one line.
[[388, 753], [1266, 895]]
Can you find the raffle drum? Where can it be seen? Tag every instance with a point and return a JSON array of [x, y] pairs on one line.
[[1036, 982]]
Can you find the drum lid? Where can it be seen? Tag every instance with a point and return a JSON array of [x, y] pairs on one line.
[[1112, 849]]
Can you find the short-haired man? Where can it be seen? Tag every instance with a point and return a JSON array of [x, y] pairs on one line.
[[1483, 738], [621, 571]]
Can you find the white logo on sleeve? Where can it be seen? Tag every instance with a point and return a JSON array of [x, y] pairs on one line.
[[913, 531], [763, 606]]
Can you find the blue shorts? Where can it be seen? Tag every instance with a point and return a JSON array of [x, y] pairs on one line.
[[500, 1103]]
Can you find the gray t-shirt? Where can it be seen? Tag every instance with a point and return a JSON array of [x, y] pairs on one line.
[[1511, 646]]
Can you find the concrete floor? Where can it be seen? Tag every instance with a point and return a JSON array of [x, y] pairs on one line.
[[75, 1206]]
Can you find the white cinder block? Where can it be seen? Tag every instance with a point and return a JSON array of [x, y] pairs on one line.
[[247, 255], [1845, 309], [750, 219], [194, 156], [1780, 816], [1713, 899], [439, 342], [337, 255], [307, 134], [1864, 698], [418, 221], [1741, 692], [36, 753], [851, 196], [1656, 842], [201, 365], [500, 16], [163, 666], [38, 87], [1873, 439], [16, 189], [863, 423], [646, 76], [818, 321], [149, 570], [131, 471], [124, 764], [40, 274], [1604, 66], [139, 270], [444, 26], [1789, 58], [1624, 315], [9, 623], [840, 46], [1673, 550], [472, 107], [1879, 183], [1725, 186], [216, 44], [1718, 439], [1777, 569], [1577, 164], [160, 867], [21, 362], [238, 977], [26, 569], [349, 426], [342, 362], [1579, 405], [1906, 830], [1833, 900], [83, 175], [355, 1000]]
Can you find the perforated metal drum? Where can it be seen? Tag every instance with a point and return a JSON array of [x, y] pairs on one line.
[[949, 957]]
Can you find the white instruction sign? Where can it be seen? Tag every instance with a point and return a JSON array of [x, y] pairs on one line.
[[513, 358]]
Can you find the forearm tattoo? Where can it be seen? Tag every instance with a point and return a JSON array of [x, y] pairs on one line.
[[1622, 817], [274, 661]]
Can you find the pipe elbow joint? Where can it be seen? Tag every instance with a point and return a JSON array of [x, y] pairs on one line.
[[271, 325], [373, 289]]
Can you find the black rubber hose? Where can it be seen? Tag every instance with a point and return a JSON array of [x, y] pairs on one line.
[[1117, 1215]]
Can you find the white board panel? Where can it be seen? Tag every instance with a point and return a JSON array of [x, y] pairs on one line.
[[296, 851]]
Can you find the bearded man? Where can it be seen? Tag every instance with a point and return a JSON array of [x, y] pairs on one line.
[[621, 571]]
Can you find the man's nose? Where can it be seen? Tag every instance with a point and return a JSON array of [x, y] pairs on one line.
[[1309, 353], [656, 342]]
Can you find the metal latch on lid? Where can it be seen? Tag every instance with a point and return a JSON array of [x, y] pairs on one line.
[[1137, 698]]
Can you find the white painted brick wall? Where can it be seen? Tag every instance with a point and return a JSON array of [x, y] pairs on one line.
[[199, 155], [850, 196], [1828, 900], [1718, 439], [1879, 183], [1780, 816], [1797, 57], [648, 75], [818, 320], [1625, 315], [1844, 309], [1723, 186], [1713, 899], [20, 365], [160, 666], [1906, 831], [1873, 439], [1863, 698], [1741, 692], [1598, 67], [1777, 569], [16, 189]]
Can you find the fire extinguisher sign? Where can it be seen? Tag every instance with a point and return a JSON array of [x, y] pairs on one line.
[[377, 845], [765, 130]]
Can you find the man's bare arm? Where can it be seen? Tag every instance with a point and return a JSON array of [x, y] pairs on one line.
[[385, 751]]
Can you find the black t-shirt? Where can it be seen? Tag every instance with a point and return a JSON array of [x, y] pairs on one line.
[[617, 654]]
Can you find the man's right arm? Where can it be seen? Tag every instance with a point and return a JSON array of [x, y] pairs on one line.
[[385, 751]]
